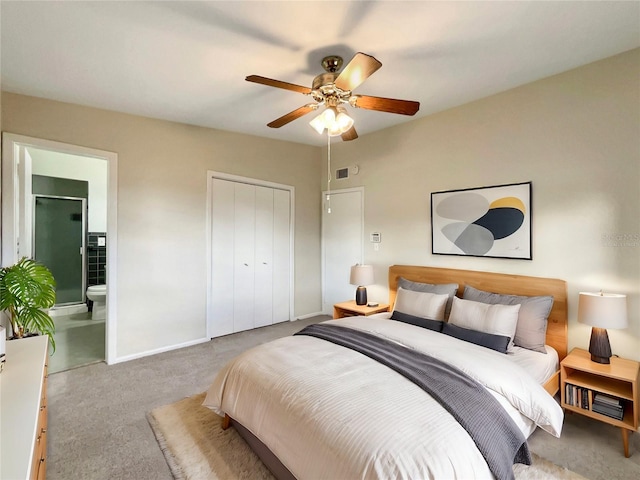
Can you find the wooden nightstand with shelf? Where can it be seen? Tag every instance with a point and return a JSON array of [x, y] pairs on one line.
[[619, 380], [350, 309]]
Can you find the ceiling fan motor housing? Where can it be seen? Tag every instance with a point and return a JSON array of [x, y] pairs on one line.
[[324, 89], [332, 63]]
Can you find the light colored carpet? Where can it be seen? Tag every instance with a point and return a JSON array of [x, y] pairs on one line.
[[99, 430], [196, 447]]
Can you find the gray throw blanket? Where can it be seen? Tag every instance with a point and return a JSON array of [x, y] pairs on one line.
[[488, 424]]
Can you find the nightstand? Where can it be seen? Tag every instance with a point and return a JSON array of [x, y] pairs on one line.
[[350, 309], [581, 380]]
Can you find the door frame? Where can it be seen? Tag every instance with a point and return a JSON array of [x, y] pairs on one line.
[[211, 175], [13, 162], [323, 241]]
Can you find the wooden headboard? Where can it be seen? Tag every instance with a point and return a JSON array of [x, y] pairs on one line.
[[497, 283]]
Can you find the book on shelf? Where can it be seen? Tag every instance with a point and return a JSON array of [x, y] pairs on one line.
[[607, 400], [576, 396], [608, 410]]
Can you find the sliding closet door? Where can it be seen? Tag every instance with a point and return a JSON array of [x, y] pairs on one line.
[[251, 256]]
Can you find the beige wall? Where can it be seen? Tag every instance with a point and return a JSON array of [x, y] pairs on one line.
[[576, 136], [162, 187]]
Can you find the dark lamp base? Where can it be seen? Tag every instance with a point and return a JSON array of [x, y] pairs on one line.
[[604, 360], [599, 346], [361, 296]]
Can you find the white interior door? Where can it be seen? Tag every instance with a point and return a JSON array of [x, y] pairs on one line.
[[342, 244]]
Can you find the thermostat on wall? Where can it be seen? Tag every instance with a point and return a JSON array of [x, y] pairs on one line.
[[376, 237]]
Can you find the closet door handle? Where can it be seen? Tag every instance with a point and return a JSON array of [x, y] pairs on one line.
[[246, 264]]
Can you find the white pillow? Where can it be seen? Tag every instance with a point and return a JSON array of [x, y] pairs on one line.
[[483, 317], [421, 304]]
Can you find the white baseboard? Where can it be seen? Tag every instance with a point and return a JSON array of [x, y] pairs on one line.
[[308, 315], [147, 353]]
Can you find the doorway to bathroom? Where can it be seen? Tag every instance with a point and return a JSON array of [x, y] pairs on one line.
[[58, 207]]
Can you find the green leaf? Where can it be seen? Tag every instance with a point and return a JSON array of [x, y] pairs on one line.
[[26, 288]]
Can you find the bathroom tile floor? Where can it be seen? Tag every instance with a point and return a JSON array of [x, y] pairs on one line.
[[79, 341]]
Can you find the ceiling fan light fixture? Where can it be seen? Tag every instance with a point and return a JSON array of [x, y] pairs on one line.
[[318, 123], [335, 120], [344, 120], [334, 130]]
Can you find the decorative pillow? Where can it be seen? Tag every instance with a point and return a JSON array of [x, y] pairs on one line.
[[435, 325], [532, 318], [494, 319], [421, 304], [498, 343], [444, 288]]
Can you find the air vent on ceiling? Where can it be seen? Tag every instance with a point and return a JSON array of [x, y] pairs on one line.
[[342, 173]]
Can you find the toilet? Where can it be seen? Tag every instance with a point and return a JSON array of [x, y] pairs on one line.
[[98, 295]]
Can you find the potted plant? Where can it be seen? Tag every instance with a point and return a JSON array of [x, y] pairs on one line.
[[26, 288]]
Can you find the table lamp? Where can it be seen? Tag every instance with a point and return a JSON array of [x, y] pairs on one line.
[[361, 275], [602, 311]]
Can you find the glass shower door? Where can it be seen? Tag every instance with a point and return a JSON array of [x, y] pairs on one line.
[[58, 243]]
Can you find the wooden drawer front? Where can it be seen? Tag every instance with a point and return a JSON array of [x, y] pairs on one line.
[[39, 467]]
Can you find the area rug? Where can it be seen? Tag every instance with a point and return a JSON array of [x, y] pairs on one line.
[[196, 448]]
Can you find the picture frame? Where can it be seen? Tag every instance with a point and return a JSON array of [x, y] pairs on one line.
[[493, 221]]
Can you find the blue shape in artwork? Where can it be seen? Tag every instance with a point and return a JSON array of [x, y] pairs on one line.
[[501, 222]]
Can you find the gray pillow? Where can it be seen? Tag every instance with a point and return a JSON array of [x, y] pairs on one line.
[[435, 325], [498, 343], [532, 318], [440, 289]]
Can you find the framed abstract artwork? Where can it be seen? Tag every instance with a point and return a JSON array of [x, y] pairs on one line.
[[483, 222]]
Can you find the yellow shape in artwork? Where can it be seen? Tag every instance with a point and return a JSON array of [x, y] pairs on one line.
[[508, 202]]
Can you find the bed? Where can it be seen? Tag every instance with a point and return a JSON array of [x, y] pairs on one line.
[[313, 407]]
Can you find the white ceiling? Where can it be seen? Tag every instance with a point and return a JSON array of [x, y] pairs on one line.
[[186, 61]]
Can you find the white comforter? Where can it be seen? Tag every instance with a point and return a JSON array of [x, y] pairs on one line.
[[331, 413]]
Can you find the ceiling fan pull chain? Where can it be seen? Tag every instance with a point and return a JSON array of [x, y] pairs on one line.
[[328, 172]]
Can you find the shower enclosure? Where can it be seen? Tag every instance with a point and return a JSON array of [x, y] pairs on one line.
[[59, 226]]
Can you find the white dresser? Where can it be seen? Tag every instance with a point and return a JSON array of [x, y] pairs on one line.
[[23, 410]]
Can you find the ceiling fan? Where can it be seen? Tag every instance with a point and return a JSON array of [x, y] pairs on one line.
[[333, 89]]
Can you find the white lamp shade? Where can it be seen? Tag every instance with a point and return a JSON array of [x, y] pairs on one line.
[[334, 119], [361, 275], [603, 310], [318, 123]]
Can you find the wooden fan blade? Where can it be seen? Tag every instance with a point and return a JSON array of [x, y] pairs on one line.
[[361, 67], [291, 116], [390, 105], [350, 134], [278, 84]]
